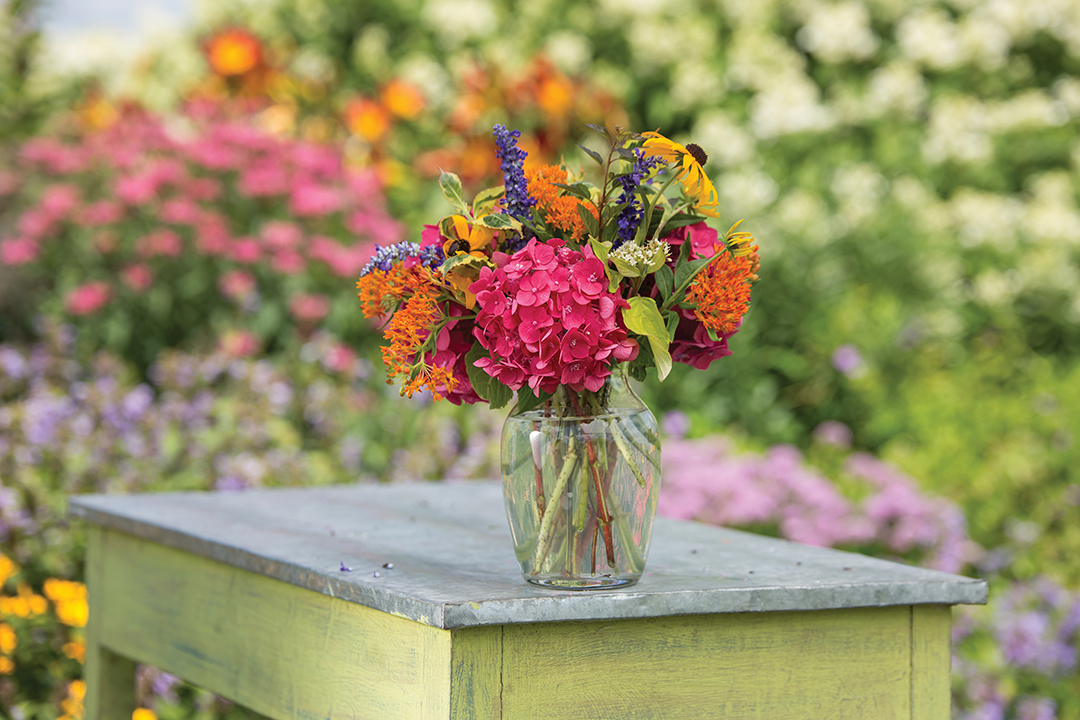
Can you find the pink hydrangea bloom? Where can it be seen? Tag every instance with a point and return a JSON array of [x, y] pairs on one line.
[[451, 346], [88, 298], [19, 251], [547, 319]]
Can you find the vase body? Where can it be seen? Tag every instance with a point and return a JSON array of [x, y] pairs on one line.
[[581, 477]]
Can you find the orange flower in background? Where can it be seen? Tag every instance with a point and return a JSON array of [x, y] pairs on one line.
[[720, 294], [402, 99], [560, 210], [7, 568], [367, 119], [233, 52]]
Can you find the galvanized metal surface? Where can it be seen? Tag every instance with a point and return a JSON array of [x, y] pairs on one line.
[[440, 554]]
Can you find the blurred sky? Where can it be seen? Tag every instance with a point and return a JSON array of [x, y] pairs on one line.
[[126, 17], [83, 35]]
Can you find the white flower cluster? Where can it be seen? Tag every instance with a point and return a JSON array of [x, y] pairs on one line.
[[643, 256]]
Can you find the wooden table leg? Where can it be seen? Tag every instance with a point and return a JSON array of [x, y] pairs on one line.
[[110, 678]]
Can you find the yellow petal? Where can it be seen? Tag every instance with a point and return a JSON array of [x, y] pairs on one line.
[[461, 226]]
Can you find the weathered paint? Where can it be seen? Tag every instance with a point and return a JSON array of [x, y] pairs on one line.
[[282, 651], [851, 664], [931, 661], [110, 678], [295, 654]]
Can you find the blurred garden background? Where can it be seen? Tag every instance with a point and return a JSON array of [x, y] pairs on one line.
[[182, 222]]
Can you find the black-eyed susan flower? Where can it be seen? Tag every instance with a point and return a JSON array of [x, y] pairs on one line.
[[689, 161]]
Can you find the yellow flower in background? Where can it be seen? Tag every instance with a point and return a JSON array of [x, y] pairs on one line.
[[7, 568], [8, 639], [143, 714], [7, 666], [69, 599], [26, 604], [72, 705], [689, 161]]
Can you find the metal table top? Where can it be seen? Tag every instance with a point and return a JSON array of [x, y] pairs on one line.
[[453, 563]]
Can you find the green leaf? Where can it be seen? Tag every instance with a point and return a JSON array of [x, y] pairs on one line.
[[485, 200], [686, 272], [615, 278], [597, 128], [600, 249], [463, 259], [446, 227], [608, 236], [672, 319], [644, 318], [680, 220], [498, 221], [665, 281], [487, 387], [639, 365], [526, 400], [450, 184], [625, 268], [593, 154], [626, 154], [590, 222], [582, 190]]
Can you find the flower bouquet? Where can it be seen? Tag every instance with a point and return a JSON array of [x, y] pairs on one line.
[[556, 290]]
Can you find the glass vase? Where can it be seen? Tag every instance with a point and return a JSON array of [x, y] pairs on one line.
[[581, 477]]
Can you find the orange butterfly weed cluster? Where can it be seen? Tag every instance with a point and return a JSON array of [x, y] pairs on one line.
[[721, 293], [561, 211], [381, 290], [410, 326]]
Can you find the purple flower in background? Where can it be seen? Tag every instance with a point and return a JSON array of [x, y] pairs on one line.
[[12, 363], [847, 360], [833, 432], [1032, 708], [137, 402], [675, 424]]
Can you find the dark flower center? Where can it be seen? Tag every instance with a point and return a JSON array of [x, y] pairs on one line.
[[698, 154], [458, 246]]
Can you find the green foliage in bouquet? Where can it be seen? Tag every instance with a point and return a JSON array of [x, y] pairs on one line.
[[550, 280]]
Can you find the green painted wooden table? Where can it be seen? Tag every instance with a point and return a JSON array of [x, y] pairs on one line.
[[247, 595]]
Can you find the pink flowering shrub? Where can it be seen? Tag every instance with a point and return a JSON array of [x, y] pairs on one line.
[[548, 316], [160, 232], [874, 507]]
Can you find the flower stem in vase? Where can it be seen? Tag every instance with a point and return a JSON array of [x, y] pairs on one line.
[[602, 513], [543, 539]]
